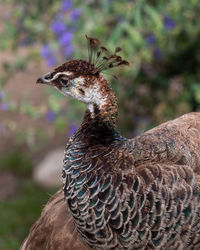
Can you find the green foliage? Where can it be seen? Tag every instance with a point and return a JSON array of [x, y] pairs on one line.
[[19, 213], [161, 41], [17, 162]]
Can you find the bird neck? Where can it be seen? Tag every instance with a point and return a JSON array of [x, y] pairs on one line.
[[106, 111], [99, 123]]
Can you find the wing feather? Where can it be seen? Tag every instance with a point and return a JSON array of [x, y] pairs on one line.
[[176, 141]]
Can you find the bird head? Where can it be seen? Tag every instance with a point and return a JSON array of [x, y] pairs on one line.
[[83, 80], [74, 78]]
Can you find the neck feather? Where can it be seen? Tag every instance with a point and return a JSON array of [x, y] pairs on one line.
[[106, 111], [99, 122]]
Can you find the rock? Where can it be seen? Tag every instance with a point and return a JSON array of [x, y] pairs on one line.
[[48, 172]]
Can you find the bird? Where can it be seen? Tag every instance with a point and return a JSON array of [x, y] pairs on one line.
[[120, 193]]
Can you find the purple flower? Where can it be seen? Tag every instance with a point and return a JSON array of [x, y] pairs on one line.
[[72, 129], [45, 51], [75, 14], [50, 116], [48, 55], [120, 18], [68, 50], [150, 39], [157, 53], [51, 61], [58, 16], [1, 94], [4, 106], [169, 24], [58, 27], [66, 38], [66, 5]]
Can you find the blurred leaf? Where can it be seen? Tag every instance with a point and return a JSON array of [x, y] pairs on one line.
[[54, 104], [15, 161], [5, 42], [11, 30], [17, 12], [60, 124], [137, 15], [116, 34], [2, 80], [28, 23], [21, 63], [134, 34], [155, 17], [52, 92], [196, 91]]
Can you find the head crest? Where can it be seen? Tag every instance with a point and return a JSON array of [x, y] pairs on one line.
[[100, 58]]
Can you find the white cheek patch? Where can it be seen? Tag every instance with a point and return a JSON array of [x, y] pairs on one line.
[[64, 91], [78, 81], [93, 95], [73, 92]]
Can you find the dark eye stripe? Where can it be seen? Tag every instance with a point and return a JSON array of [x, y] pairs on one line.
[[63, 81]]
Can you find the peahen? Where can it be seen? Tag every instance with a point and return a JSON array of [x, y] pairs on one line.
[[118, 193]]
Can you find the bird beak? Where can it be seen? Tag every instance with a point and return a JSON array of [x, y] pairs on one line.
[[45, 79]]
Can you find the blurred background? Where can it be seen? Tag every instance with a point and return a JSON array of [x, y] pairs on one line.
[[160, 39]]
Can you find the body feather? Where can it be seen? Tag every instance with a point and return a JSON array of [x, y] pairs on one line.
[[141, 193]]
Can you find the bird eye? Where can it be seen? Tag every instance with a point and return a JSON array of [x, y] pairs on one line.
[[64, 82]]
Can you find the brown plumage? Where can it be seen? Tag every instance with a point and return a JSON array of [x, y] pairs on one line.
[[118, 193], [54, 229], [153, 157]]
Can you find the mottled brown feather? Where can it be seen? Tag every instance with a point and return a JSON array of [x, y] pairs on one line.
[[54, 229], [173, 148]]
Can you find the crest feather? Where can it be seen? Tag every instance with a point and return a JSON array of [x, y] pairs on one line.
[[100, 58]]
